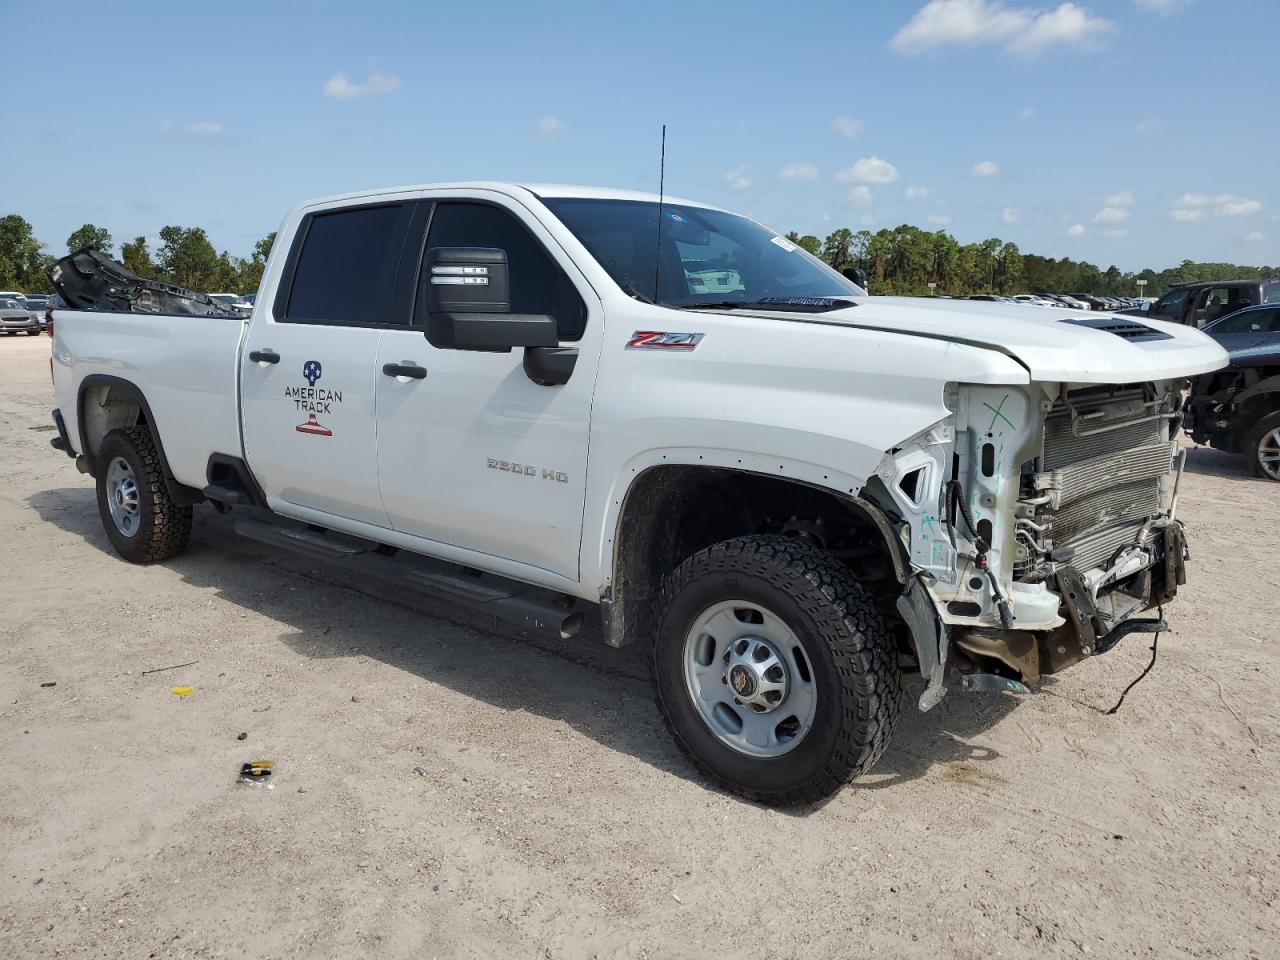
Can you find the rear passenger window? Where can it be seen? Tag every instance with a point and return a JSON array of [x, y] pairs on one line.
[[538, 285], [346, 269]]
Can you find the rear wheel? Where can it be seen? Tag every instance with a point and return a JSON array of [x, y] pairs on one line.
[[775, 669], [142, 521], [33, 333], [1264, 447]]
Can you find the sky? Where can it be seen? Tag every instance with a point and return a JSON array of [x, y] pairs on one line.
[[1129, 132]]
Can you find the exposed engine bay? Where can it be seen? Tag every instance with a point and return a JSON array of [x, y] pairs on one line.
[[1040, 520]]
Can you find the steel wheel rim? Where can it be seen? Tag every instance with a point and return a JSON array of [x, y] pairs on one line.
[[749, 678], [1269, 453], [122, 497]]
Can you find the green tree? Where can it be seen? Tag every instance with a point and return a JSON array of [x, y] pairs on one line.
[[187, 258], [807, 242], [836, 248], [22, 265], [249, 272], [96, 238], [137, 257]]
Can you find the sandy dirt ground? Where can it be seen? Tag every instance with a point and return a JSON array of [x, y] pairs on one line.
[[445, 788]]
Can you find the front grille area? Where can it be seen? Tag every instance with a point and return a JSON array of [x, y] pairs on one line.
[[1104, 455]]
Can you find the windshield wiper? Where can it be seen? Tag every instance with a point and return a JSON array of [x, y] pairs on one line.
[[793, 304]]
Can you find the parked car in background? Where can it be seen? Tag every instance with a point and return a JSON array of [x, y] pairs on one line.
[[990, 297], [36, 303], [55, 302], [1066, 301], [13, 295], [1238, 409], [1033, 300], [16, 318], [1199, 304]]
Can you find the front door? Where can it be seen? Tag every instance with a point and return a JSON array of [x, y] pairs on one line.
[[474, 454], [308, 374]]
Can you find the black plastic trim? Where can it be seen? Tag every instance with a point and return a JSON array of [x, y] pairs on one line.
[[62, 441], [242, 473]]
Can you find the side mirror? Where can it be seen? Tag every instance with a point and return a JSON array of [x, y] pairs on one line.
[[468, 303], [857, 275]]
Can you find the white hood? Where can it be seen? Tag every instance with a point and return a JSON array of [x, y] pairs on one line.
[[1038, 338]]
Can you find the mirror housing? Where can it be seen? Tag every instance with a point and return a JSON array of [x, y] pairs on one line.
[[468, 303], [857, 275]]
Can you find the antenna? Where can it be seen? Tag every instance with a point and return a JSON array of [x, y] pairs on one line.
[[662, 183]]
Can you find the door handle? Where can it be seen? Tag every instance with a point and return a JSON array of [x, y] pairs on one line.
[[406, 368], [264, 356]]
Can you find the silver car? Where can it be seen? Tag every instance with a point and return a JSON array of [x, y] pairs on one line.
[[17, 318]]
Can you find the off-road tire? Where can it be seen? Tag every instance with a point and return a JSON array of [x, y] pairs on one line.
[[1264, 426], [849, 645], [164, 527], [33, 333]]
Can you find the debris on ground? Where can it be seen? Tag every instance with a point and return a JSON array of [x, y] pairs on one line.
[[49, 683], [176, 666], [183, 691], [242, 736], [420, 771], [257, 772]]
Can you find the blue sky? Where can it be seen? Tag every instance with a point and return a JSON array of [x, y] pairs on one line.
[[1134, 132]]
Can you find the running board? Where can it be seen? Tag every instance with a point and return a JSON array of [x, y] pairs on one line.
[[514, 602]]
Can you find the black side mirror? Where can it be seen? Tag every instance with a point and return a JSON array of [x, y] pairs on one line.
[[857, 275], [468, 303]]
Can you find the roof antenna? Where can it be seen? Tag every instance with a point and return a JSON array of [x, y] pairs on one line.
[[662, 182]]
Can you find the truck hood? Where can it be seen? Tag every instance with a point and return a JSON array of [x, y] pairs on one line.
[[1054, 345]]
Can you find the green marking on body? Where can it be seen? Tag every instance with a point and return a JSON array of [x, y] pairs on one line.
[[997, 414]]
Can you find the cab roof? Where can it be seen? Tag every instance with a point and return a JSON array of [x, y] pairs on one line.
[[539, 190]]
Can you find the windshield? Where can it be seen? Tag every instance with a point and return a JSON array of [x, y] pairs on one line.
[[707, 256], [10, 305]]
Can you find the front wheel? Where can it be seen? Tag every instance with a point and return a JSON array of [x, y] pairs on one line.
[[1264, 446], [142, 521], [33, 333], [775, 669]]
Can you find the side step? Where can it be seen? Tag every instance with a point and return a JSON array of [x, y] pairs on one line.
[[231, 496], [514, 602]]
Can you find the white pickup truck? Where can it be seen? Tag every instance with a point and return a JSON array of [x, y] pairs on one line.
[[551, 402]]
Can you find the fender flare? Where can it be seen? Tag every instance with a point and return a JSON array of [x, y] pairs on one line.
[[180, 493]]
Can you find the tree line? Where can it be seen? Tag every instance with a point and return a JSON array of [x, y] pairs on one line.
[[905, 260], [902, 260], [185, 257]]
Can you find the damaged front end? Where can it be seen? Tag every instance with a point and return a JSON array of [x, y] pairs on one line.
[[1039, 522]]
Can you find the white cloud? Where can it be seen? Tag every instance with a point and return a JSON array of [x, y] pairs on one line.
[[1196, 206], [1075, 230], [206, 130], [847, 126], [1027, 113], [917, 193], [860, 196], [867, 220], [799, 171], [1025, 31], [1111, 215], [550, 127], [987, 168], [1124, 199], [1009, 215], [1121, 232], [340, 88], [1229, 206], [869, 170], [1148, 126], [1255, 236], [737, 179], [940, 220], [1166, 8]]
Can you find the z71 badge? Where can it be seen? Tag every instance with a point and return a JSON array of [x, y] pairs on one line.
[[663, 340]]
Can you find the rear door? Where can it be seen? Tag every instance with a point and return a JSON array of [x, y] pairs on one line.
[[472, 453], [308, 372]]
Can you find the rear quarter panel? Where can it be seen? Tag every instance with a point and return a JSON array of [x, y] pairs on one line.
[[185, 367]]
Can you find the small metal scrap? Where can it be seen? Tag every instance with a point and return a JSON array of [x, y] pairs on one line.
[[49, 683], [256, 772]]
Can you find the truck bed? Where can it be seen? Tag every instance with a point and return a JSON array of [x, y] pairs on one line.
[[185, 366]]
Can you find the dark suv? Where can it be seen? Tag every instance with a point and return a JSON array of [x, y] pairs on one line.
[[1197, 304]]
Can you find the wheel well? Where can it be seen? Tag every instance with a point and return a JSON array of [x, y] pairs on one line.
[[105, 407], [672, 512], [109, 403]]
